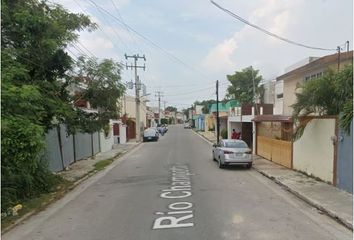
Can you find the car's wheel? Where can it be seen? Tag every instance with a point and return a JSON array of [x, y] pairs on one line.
[[249, 165]]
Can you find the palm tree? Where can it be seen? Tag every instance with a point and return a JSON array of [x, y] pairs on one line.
[[331, 94]]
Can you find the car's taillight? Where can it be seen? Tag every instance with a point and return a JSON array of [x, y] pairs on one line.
[[228, 152]]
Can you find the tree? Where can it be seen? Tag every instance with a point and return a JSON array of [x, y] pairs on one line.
[[241, 87], [104, 88], [171, 109], [34, 81], [206, 104], [331, 94]]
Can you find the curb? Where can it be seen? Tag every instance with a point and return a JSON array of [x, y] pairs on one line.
[[309, 201], [70, 188], [314, 204]]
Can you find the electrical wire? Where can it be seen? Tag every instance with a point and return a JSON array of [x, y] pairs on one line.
[[194, 91], [99, 28], [149, 41], [267, 32], [130, 34]]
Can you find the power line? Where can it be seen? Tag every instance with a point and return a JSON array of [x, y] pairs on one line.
[[196, 90], [150, 41], [267, 32], [98, 26], [113, 29], [120, 16]]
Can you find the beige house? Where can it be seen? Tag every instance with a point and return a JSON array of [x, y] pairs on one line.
[[314, 69], [128, 108]]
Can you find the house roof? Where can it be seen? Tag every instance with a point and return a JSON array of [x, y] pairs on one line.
[[224, 107], [318, 63], [272, 118]]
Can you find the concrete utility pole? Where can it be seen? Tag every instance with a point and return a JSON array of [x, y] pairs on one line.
[[159, 95], [137, 88]]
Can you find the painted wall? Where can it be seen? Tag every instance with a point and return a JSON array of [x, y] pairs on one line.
[[128, 106], [291, 83], [107, 142], [313, 153], [278, 100], [345, 161], [233, 125]]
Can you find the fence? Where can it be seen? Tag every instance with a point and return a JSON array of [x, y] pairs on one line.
[[345, 161], [278, 151], [63, 149]]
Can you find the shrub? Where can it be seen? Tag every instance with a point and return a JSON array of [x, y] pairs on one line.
[[223, 133], [23, 173]]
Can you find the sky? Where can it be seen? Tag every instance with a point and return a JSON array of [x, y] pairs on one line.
[[189, 45]]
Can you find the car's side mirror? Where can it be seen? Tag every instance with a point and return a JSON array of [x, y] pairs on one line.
[[215, 145]]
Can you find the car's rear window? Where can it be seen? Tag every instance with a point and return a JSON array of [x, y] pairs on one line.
[[236, 145]]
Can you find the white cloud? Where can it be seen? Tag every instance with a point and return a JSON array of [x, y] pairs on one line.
[[219, 58], [301, 21]]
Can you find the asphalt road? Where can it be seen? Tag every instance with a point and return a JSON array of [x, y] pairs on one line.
[[171, 189]]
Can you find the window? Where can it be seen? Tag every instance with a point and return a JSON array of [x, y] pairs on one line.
[[280, 95], [237, 144]]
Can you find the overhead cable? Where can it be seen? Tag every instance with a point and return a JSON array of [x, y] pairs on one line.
[[149, 41], [269, 33]]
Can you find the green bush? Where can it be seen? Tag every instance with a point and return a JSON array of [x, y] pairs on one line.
[[23, 173], [223, 133]]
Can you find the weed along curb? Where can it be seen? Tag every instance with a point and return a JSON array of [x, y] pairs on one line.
[[59, 194]]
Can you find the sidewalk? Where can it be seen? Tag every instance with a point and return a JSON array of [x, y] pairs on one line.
[[83, 168], [208, 135], [330, 200]]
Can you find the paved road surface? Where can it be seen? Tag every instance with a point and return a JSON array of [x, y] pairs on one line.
[[173, 190]]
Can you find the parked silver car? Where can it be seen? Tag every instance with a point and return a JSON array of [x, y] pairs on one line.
[[232, 152], [151, 134]]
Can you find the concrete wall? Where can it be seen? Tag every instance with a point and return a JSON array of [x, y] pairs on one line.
[[83, 147], [73, 147], [233, 125], [345, 161], [128, 105], [52, 152], [107, 142], [67, 142], [291, 82], [313, 153], [278, 101]]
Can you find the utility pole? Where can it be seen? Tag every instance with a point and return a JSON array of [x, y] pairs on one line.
[[217, 112], [159, 95], [338, 49], [137, 88]]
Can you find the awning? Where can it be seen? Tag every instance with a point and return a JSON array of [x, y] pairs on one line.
[[272, 118]]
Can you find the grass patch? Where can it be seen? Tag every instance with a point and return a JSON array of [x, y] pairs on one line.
[[102, 164], [38, 203]]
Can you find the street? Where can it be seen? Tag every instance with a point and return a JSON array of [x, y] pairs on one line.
[[171, 189]]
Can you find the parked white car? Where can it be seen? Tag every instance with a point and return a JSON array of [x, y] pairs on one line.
[[232, 152]]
